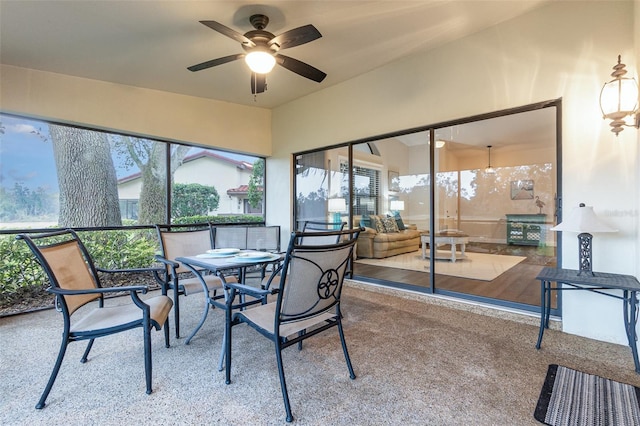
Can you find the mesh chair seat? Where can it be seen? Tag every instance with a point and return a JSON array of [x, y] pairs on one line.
[[193, 285], [262, 317], [113, 317]]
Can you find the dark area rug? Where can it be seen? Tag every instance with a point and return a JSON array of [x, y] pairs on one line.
[[571, 397]]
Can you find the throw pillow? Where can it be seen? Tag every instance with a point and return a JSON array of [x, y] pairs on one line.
[[399, 222], [379, 227], [365, 221], [390, 224]]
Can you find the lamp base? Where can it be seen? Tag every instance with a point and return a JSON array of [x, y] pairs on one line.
[[584, 253], [337, 219]]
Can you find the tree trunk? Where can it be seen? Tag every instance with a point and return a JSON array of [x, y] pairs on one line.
[[86, 177]]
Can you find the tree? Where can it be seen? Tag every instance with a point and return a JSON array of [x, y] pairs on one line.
[[150, 157], [256, 184], [193, 199], [86, 178]]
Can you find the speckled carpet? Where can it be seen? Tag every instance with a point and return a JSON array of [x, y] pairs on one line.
[[418, 360]]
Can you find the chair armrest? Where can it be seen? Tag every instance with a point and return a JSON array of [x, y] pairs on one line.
[[131, 270], [166, 261], [258, 293], [64, 292]]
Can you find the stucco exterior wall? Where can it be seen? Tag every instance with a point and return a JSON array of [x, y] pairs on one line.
[[561, 50]]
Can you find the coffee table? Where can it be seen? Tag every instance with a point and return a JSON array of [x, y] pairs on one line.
[[452, 238]]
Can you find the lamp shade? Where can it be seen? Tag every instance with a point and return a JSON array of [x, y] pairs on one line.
[[583, 219], [396, 205], [337, 205], [260, 62]]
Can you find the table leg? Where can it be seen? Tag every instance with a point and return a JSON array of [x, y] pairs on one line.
[[543, 311], [462, 247], [630, 301], [424, 248], [453, 252]]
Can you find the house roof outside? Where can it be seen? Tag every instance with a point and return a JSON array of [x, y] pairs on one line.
[[242, 165]]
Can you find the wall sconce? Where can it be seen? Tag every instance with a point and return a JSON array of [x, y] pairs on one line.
[[489, 170], [336, 206], [619, 100], [583, 221]]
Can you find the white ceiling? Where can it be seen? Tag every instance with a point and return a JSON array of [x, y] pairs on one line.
[[149, 43]]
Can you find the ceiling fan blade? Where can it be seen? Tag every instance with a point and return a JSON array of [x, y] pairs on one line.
[[300, 68], [296, 37], [215, 62], [228, 32], [258, 83]]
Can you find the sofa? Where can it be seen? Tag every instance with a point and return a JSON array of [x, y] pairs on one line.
[[378, 241]]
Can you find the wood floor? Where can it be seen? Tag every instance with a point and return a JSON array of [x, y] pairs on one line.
[[517, 285]]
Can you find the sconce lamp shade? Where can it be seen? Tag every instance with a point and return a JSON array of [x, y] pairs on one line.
[[619, 99], [396, 205], [337, 205], [583, 221], [260, 62]]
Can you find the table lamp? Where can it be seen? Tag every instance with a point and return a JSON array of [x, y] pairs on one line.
[[583, 221], [396, 206], [336, 206]]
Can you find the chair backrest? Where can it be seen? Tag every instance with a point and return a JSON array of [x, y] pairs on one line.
[[263, 238], [247, 237], [176, 243], [230, 237], [67, 264], [312, 277], [310, 227]]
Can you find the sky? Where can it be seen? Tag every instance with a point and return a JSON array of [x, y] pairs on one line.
[[26, 155]]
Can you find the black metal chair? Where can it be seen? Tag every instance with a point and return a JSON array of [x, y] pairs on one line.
[[74, 281], [174, 243], [308, 301], [309, 226]]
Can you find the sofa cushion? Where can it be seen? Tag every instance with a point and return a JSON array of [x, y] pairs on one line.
[[389, 224], [376, 223], [399, 221]]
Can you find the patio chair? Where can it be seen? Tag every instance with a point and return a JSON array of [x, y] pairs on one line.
[[308, 302], [187, 242], [310, 226], [74, 281]]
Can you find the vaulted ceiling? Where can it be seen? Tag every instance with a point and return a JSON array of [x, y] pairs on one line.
[[150, 44]]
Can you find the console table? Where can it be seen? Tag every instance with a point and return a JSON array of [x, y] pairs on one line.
[[525, 229], [585, 281]]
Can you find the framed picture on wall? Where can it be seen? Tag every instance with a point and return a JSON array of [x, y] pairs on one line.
[[522, 189], [394, 181]]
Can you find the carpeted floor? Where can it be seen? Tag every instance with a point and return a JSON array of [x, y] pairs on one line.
[[418, 361], [477, 266]]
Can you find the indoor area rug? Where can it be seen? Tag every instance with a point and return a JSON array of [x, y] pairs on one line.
[[476, 266], [571, 397]]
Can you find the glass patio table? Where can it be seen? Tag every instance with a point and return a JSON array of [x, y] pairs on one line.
[[231, 262]]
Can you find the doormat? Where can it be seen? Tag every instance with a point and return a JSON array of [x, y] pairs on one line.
[[571, 397]]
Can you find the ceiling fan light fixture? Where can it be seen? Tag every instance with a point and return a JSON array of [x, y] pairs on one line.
[[260, 61]]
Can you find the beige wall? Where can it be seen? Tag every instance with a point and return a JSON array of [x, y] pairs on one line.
[[561, 50], [134, 110]]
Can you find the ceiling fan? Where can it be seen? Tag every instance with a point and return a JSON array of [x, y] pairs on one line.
[[263, 51]]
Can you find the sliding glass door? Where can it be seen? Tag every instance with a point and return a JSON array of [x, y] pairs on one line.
[[468, 217]]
